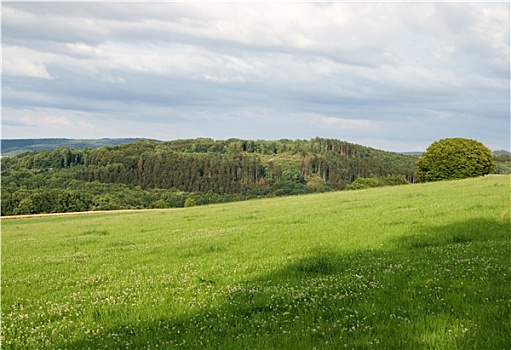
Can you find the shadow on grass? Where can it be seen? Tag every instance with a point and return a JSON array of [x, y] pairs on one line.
[[476, 230], [446, 287]]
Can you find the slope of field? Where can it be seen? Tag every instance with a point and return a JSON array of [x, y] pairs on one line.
[[410, 267]]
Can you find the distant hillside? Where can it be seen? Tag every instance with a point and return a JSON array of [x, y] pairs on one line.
[[414, 153], [501, 153], [502, 161], [80, 175], [148, 174], [12, 147]]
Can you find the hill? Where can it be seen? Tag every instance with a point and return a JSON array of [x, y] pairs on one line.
[[423, 266], [501, 152], [12, 147], [502, 161], [146, 173]]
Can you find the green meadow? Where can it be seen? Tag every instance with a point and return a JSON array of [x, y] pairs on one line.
[[424, 266]]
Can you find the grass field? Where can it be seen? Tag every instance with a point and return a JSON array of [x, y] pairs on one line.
[[411, 267]]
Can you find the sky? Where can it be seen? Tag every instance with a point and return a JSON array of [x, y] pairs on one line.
[[395, 76]]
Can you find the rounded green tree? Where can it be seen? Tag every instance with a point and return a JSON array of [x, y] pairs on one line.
[[190, 202], [454, 158]]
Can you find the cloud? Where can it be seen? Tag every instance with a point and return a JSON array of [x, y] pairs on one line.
[[379, 72], [23, 62], [52, 120], [84, 50], [343, 123], [45, 122]]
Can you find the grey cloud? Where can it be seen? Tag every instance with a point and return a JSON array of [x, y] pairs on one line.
[[213, 68]]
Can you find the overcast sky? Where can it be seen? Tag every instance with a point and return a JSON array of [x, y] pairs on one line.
[[394, 76]]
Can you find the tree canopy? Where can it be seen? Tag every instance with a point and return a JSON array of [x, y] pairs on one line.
[[454, 158], [150, 174]]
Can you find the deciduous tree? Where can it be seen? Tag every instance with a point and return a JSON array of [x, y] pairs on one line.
[[454, 158]]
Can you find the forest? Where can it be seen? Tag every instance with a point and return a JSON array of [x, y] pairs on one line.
[[151, 174]]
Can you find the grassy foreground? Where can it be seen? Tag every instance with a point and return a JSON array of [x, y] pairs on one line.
[[412, 267]]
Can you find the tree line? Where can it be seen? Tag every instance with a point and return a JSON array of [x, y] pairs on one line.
[[146, 173]]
